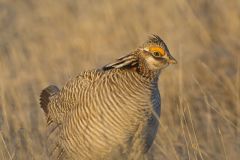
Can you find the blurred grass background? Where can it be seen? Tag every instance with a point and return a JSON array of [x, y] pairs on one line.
[[47, 42]]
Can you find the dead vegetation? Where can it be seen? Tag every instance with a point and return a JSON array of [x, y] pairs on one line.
[[47, 42]]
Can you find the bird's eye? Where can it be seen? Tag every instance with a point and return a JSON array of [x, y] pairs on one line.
[[156, 54], [157, 51]]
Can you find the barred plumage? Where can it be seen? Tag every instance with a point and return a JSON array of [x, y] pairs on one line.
[[110, 113]]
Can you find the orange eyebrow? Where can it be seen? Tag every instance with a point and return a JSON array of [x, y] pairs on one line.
[[157, 49]]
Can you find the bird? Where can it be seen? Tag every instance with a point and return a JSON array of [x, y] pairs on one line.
[[111, 112]]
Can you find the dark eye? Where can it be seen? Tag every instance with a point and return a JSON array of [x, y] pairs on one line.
[[156, 54]]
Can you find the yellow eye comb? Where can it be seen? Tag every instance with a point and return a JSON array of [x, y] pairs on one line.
[[157, 49]]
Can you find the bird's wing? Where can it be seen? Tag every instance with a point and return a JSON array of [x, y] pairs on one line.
[[57, 104], [68, 97]]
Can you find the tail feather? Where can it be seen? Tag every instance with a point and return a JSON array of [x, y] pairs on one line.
[[54, 147], [45, 96]]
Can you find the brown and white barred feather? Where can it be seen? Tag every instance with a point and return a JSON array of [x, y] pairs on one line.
[[127, 61], [101, 114]]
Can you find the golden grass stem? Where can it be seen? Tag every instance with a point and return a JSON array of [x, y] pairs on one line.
[[222, 142], [5, 146]]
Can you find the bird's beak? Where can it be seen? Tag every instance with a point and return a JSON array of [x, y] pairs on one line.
[[172, 60]]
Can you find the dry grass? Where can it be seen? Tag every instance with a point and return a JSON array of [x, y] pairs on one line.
[[45, 42]]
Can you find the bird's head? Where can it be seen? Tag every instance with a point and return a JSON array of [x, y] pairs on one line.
[[152, 56], [156, 54]]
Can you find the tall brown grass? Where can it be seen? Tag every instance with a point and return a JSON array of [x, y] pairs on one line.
[[47, 42]]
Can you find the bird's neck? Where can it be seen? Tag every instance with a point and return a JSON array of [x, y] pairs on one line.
[[144, 71]]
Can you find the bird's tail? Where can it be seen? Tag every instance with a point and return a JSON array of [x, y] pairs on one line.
[[54, 148], [45, 96]]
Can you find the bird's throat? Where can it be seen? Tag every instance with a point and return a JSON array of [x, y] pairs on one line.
[[144, 71]]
